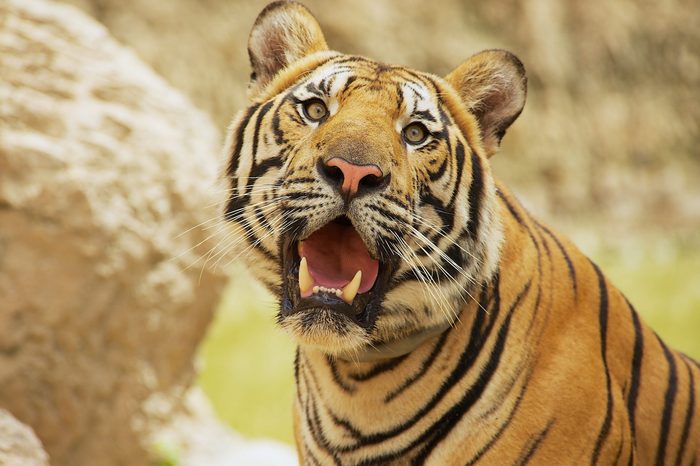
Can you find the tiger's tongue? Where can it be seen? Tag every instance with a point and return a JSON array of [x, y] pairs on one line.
[[334, 255]]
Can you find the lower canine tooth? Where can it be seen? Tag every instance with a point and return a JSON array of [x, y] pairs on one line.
[[306, 282], [350, 290]]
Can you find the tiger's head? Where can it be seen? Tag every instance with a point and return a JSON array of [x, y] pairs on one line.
[[361, 193]]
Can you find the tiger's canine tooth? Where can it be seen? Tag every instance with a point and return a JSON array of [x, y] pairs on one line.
[[350, 290], [306, 282]]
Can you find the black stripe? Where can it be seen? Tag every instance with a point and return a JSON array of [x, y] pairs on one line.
[[436, 174], [240, 132], [313, 89], [258, 123], [669, 397], [313, 420], [314, 460], [234, 207], [396, 201], [465, 362], [420, 274], [261, 169], [532, 446], [336, 376], [689, 413], [260, 216], [423, 114], [302, 179], [317, 432], [690, 360], [426, 80], [425, 365], [636, 371], [386, 213], [454, 252], [294, 116], [484, 449], [447, 217], [521, 221], [276, 122], [439, 430], [459, 162], [476, 193], [251, 238], [510, 207], [619, 451], [569, 263], [343, 59], [296, 364], [603, 322], [379, 369], [304, 195], [345, 425], [347, 85]]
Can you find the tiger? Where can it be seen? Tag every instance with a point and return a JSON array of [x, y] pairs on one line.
[[437, 321]]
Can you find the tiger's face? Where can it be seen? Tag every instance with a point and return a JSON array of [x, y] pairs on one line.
[[362, 191]]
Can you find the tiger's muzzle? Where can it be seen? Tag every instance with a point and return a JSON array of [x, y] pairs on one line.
[[333, 272]]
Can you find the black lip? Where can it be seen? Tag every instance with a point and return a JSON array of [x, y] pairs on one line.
[[364, 309]]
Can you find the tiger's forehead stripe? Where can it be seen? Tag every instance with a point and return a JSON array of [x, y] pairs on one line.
[[419, 102], [327, 81], [290, 75]]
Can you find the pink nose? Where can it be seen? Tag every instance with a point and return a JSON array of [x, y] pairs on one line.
[[355, 176]]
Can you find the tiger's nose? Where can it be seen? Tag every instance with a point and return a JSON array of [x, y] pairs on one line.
[[353, 180]]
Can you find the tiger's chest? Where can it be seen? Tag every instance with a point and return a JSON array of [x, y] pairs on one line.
[[422, 408]]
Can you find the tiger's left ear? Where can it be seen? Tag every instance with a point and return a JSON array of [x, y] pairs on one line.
[[284, 32], [493, 86]]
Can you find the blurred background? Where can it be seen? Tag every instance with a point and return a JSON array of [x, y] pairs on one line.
[[606, 150]]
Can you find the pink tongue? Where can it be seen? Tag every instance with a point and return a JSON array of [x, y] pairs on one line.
[[335, 253]]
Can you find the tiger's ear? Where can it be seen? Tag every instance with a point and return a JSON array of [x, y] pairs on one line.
[[493, 86], [284, 32]]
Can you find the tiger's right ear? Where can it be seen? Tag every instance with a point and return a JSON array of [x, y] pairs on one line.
[[493, 86], [284, 32]]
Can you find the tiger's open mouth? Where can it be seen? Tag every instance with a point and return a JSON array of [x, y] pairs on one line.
[[333, 269]]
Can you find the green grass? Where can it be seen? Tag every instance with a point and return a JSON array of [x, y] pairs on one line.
[[664, 287], [247, 370], [248, 363]]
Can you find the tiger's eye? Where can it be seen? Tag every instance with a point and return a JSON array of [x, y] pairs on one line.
[[315, 110], [415, 133]]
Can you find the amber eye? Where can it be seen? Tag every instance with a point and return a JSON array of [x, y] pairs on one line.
[[415, 133], [315, 110]]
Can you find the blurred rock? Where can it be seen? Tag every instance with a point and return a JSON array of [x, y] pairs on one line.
[[196, 438], [18, 444], [104, 168]]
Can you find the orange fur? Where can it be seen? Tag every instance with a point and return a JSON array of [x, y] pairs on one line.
[[542, 360]]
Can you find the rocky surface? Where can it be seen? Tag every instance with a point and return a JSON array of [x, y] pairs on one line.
[[104, 168], [18, 443]]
